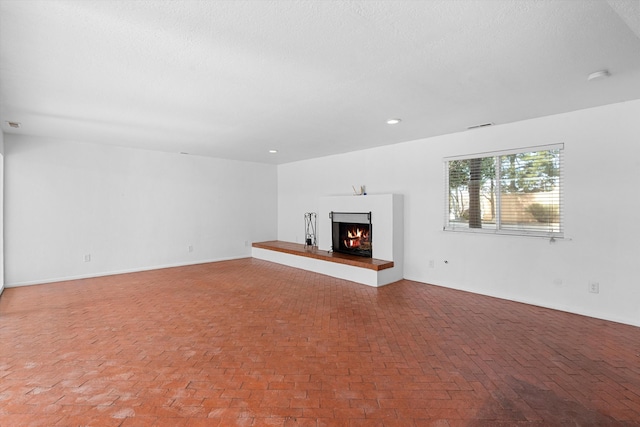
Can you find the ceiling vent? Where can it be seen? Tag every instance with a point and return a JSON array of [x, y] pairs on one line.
[[599, 75], [15, 125], [481, 125]]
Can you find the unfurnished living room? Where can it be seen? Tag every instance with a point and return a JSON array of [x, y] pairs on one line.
[[319, 213]]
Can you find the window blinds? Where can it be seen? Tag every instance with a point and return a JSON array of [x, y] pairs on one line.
[[511, 192]]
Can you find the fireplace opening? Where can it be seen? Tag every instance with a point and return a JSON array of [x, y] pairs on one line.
[[351, 233]]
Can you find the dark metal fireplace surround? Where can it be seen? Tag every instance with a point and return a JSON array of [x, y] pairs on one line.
[[351, 233]]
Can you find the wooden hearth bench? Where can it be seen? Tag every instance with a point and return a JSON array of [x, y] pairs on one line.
[[385, 212], [299, 249]]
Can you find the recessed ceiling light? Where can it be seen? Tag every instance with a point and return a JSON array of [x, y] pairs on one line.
[[602, 74], [273, 151], [393, 121], [15, 125]]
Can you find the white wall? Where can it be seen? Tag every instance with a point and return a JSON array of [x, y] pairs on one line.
[[602, 162], [1, 212], [128, 209]]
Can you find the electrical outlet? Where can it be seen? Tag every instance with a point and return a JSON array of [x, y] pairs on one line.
[[432, 263], [190, 248], [594, 287], [246, 243], [87, 258], [557, 282]]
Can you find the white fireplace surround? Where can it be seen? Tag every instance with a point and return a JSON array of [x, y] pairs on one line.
[[387, 222]]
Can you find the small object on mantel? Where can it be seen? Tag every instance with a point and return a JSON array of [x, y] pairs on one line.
[[361, 191]]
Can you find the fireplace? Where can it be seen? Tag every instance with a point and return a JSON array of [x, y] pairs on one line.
[[351, 233]]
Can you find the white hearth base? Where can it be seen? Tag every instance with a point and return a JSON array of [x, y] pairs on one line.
[[360, 275], [387, 219]]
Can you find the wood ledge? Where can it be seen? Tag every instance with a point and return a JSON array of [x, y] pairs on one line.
[[308, 252]]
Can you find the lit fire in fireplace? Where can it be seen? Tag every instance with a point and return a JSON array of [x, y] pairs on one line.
[[352, 233], [356, 238]]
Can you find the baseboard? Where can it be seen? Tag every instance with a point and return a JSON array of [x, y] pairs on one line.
[[557, 307], [113, 273]]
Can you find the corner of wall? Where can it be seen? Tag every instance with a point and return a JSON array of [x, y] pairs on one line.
[[1, 212]]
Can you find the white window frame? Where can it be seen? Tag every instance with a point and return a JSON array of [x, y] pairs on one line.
[[498, 228]]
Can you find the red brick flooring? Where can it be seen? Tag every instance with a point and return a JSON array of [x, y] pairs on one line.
[[250, 343]]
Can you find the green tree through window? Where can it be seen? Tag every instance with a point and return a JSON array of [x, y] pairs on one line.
[[514, 192]]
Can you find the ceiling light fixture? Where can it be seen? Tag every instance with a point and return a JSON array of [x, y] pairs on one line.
[[598, 75], [393, 121], [15, 125], [273, 151]]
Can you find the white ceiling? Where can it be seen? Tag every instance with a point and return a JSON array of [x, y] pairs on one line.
[[233, 79]]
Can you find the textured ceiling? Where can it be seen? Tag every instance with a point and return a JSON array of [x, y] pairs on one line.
[[233, 79]]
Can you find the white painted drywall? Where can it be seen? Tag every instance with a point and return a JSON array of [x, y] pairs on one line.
[[1, 212], [602, 160], [128, 209]]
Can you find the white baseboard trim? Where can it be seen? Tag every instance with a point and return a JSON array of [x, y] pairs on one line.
[[542, 304], [113, 273]]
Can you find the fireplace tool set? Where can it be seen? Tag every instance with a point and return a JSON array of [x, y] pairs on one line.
[[310, 225]]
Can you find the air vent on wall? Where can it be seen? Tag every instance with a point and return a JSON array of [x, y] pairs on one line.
[[482, 125]]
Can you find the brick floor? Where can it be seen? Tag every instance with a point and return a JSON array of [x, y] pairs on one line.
[[251, 343]]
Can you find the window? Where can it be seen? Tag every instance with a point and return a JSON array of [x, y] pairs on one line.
[[510, 192]]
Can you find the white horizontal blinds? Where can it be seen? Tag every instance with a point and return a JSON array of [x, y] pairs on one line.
[[456, 193], [506, 152], [471, 193], [530, 191], [516, 191]]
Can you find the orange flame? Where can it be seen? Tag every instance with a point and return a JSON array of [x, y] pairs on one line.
[[355, 237]]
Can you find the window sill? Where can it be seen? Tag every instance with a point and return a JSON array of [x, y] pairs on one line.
[[520, 233]]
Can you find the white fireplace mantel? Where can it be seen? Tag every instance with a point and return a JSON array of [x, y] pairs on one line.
[[387, 222], [387, 230]]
